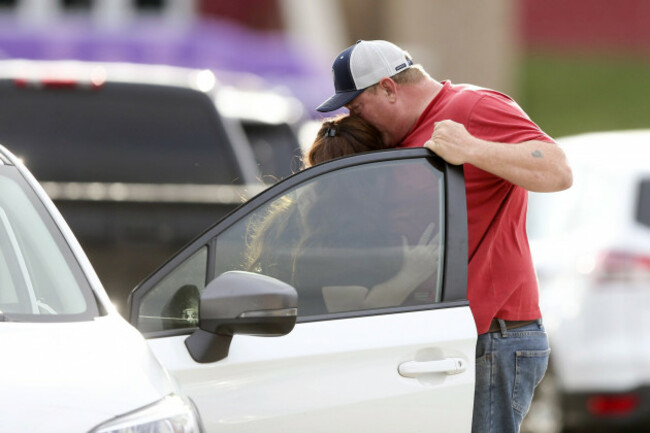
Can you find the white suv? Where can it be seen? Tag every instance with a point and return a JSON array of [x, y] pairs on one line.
[[591, 246]]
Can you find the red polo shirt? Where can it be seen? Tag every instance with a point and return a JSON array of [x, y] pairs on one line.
[[501, 278]]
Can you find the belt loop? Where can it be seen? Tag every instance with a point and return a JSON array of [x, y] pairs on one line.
[[504, 329], [539, 323]]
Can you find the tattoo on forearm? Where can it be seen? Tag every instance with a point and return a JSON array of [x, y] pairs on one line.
[[537, 154]]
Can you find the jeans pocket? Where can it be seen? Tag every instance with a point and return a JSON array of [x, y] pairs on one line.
[[530, 368]]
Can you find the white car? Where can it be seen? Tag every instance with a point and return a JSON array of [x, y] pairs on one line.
[[371, 326], [591, 247], [70, 362]]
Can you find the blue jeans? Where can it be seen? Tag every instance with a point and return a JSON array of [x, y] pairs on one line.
[[509, 365]]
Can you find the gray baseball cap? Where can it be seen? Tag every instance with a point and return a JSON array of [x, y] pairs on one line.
[[363, 65]]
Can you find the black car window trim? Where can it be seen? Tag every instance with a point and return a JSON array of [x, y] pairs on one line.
[[454, 288]]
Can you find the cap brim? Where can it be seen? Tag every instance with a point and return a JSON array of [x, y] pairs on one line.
[[338, 100]]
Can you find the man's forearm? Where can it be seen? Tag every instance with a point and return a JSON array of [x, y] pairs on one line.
[[537, 166]]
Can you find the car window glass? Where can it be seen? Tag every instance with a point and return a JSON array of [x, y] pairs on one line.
[[643, 203], [173, 302], [363, 238], [12, 275], [40, 276]]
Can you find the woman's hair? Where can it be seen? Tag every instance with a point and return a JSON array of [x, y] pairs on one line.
[[338, 136], [264, 231], [341, 136]]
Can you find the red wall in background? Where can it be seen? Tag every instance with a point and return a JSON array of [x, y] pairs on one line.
[[587, 24], [594, 25], [257, 14]]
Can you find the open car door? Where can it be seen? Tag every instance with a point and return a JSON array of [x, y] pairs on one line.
[[367, 256]]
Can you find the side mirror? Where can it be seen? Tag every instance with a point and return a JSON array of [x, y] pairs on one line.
[[239, 302]]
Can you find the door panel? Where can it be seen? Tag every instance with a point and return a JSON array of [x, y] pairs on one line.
[[338, 375]]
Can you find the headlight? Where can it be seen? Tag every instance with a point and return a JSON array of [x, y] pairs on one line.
[[172, 414]]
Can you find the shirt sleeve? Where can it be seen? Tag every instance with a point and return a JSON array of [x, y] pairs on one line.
[[496, 117]]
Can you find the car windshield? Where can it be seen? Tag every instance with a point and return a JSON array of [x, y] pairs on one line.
[[40, 279]]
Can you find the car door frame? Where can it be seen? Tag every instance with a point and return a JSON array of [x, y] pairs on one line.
[[454, 287]]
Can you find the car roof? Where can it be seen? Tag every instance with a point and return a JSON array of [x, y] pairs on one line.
[[629, 149]]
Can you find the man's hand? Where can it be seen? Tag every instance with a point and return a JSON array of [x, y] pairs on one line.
[[451, 141]]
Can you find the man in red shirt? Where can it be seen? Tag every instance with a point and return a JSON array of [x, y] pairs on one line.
[[504, 155]]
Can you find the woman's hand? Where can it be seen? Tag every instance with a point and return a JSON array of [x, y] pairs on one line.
[[418, 261]]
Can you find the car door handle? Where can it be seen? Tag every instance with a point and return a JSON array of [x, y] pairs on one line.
[[447, 366]]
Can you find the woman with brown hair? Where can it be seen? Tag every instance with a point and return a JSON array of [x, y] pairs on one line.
[[341, 136], [338, 137]]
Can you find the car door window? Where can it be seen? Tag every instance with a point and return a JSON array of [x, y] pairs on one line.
[[360, 239], [174, 302], [363, 238]]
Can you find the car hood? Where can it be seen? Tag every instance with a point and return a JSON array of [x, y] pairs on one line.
[[70, 377]]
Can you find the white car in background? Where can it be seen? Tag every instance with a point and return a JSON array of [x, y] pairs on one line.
[[591, 246]]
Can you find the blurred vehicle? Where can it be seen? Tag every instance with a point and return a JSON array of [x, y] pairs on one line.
[[141, 158], [270, 119], [70, 362], [591, 246]]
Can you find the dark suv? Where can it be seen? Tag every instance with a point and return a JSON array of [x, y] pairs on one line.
[[138, 158]]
